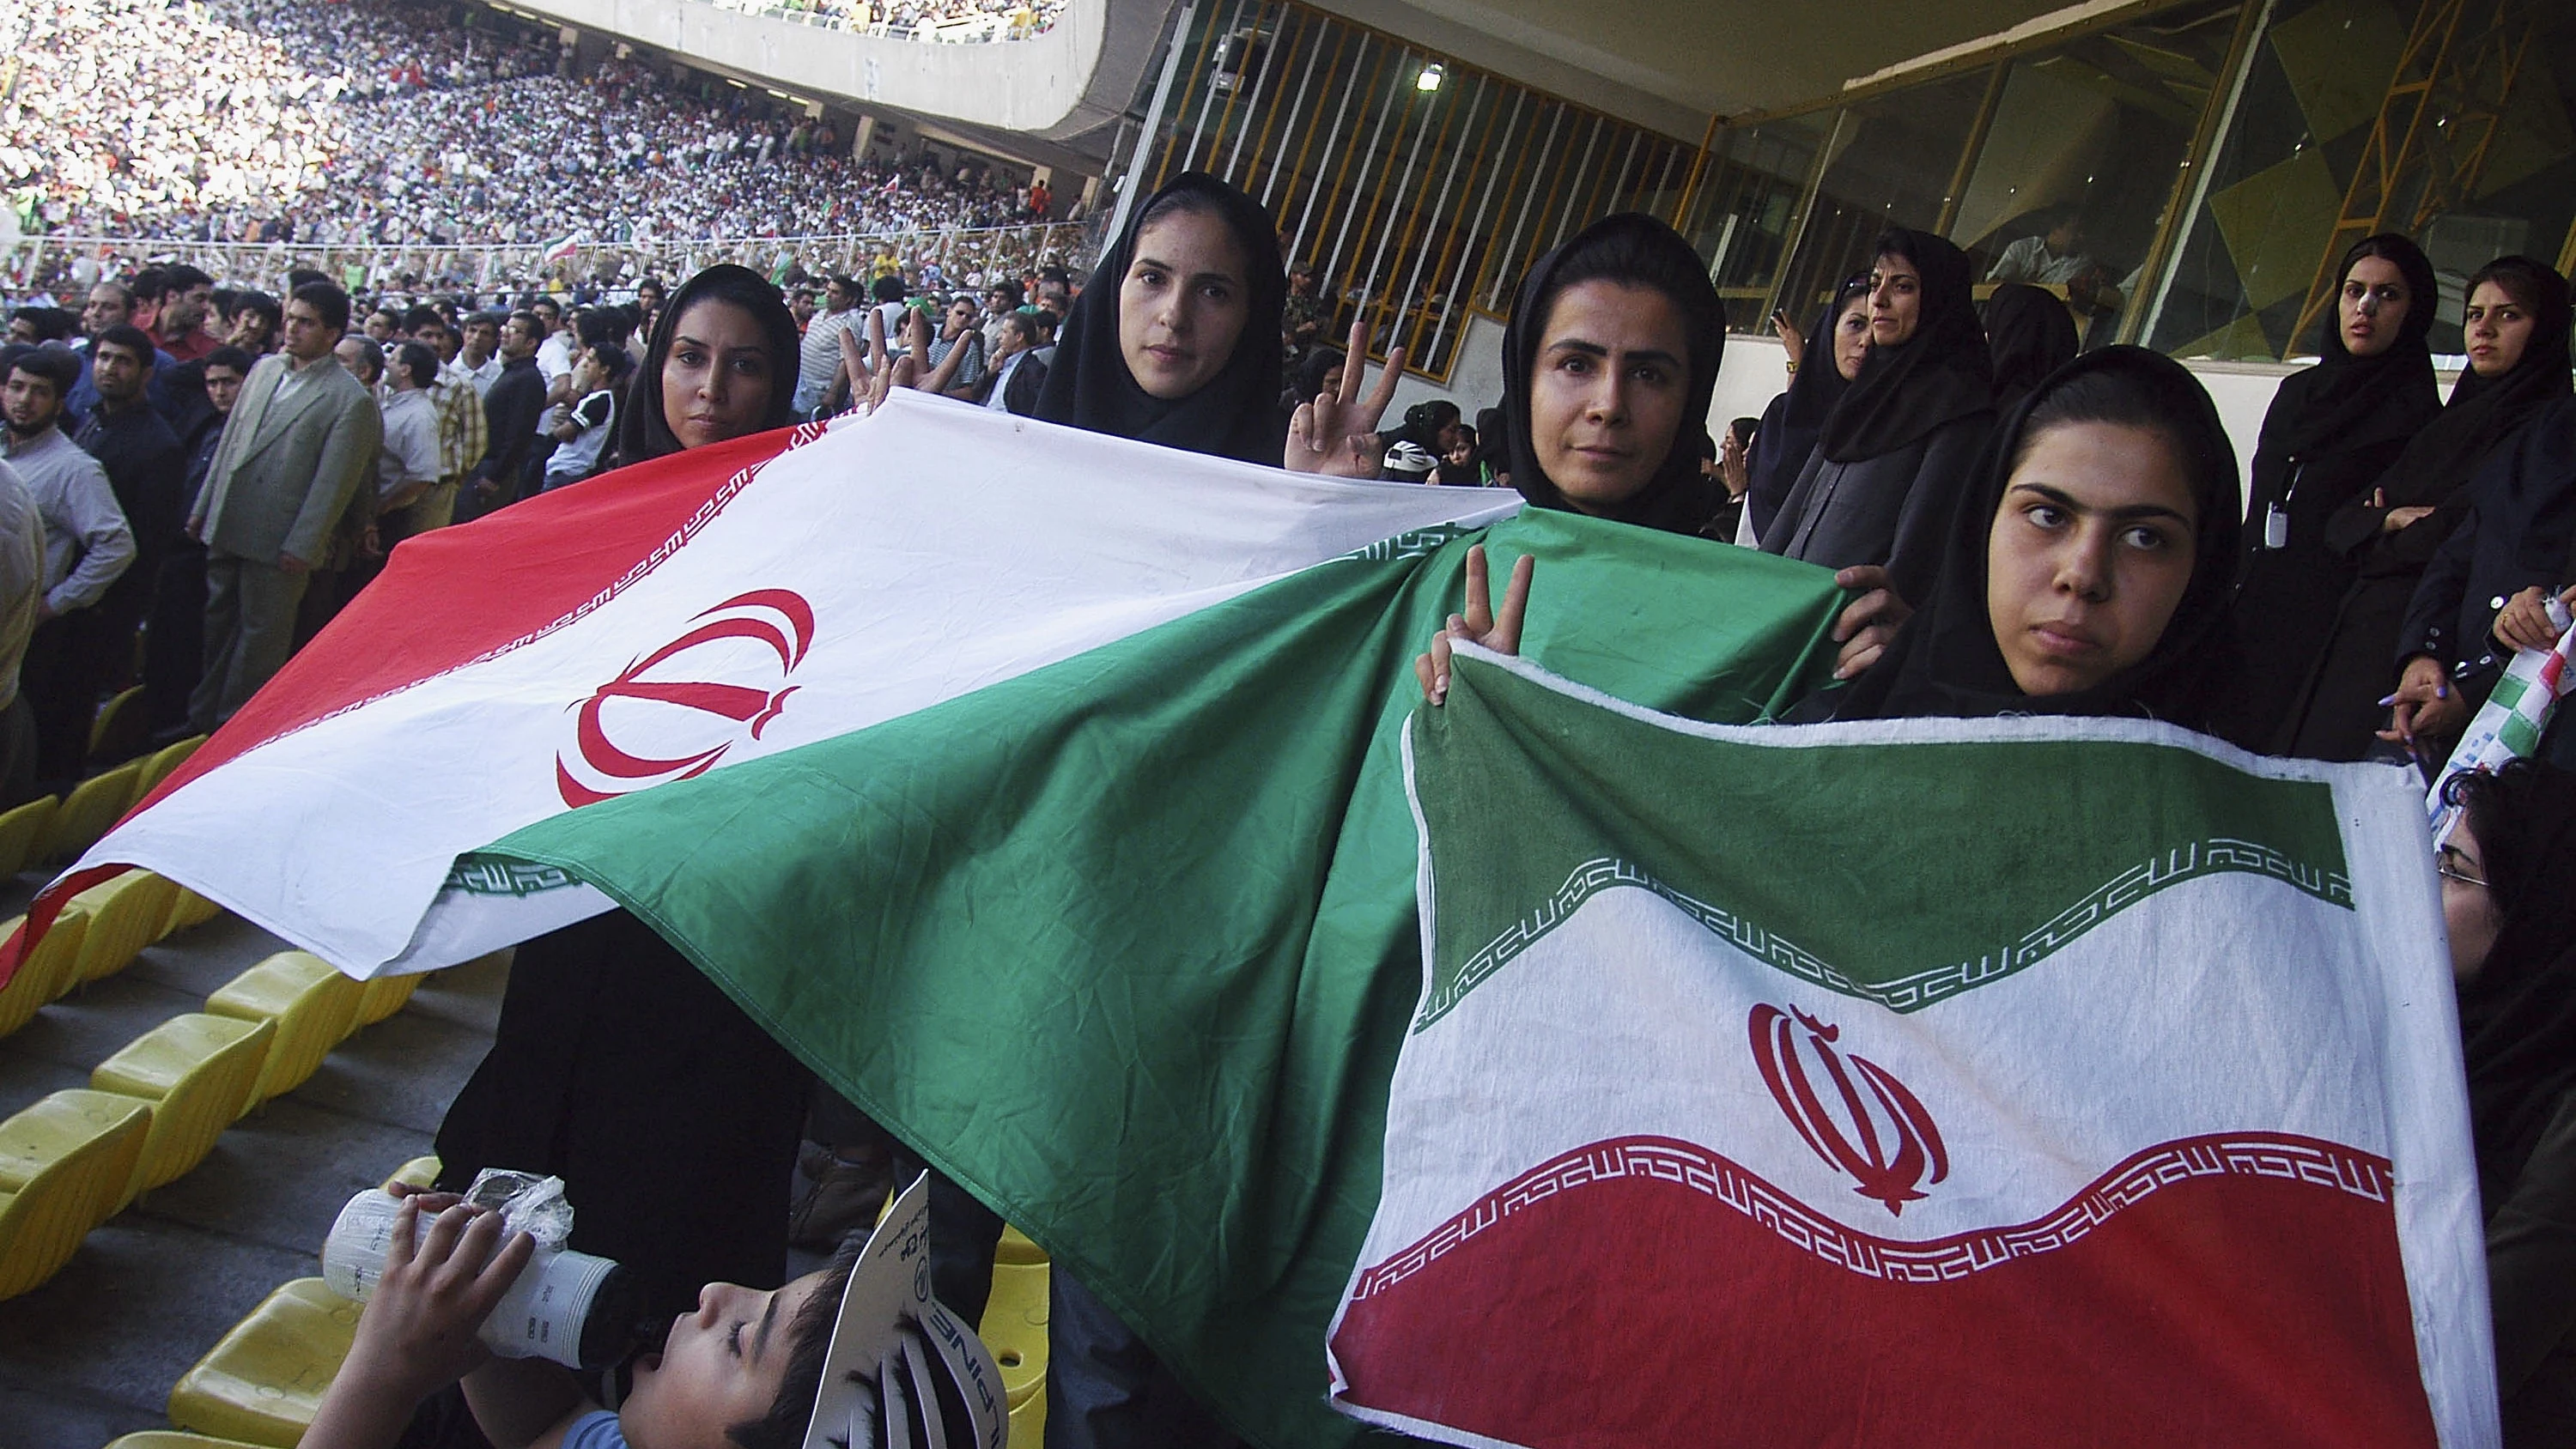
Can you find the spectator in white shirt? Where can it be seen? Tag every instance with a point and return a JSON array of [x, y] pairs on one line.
[[583, 434], [818, 357], [408, 466]]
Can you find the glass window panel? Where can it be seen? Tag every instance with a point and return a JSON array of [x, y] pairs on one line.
[[2083, 155], [1745, 215], [1892, 163]]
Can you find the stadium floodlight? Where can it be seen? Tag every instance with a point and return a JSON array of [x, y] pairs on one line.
[[1429, 80]]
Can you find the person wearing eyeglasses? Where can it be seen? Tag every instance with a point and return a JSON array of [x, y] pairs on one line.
[[2512, 920]]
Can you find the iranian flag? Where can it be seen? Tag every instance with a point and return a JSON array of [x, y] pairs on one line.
[[678, 619], [2023, 1082]]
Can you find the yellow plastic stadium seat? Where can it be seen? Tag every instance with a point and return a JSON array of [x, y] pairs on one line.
[[1028, 1423], [118, 729], [44, 976], [419, 1172], [384, 996], [157, 767], [174, 1439], [314, 1006], [64, 1165], [197, 1071], [263, 1381], [94, 805], [1015, 1247], [125, 915], [22, 833], [187, 908], [1015, 1329]]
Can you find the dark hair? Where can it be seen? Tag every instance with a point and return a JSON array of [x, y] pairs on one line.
[[2528, 280], [180, 277], [227, 356], [327, 301], [2498, 806], [53, 364], [643, 433], [128, 336], [298, 278], [809, 1338], [1022, 323], [603, 328], [150, 283], [1743, 429], [1628, 257], [422, 315], [261, 303], [2121, 399], [850, 286], [420, 361], [618, 360], [1013, 294], [52, 324], [486, 319], [888, 288]]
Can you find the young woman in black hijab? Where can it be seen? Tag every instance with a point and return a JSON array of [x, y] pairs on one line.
[[671, 1116], [1898, 446], [2088, 565], [2030, 334], [2330, 433], [2517, 330], [2512, 927], [721, 365], [1174, 340], [2087, 571], [1836, 348], [1609, 362]]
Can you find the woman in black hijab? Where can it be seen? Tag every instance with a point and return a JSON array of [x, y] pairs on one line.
[[734, 373], [1661, 429], [1796, 418], [2110, 642], [1173, 341], [2393, 535], [2030, 334], [1897, 448], [2087, 572], [610, 1038], [2512, 927], [2330, 433]]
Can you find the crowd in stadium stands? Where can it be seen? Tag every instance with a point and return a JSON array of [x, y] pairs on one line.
[[2025, 528], [380, 121]]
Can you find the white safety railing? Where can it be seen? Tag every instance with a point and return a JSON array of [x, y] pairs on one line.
[[1019, 23], [39, 261]]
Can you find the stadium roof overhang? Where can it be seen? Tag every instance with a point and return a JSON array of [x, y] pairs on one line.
[[1673, 65]]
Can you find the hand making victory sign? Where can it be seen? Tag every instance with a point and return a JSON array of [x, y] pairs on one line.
[[1336, 434], [1481, 625]]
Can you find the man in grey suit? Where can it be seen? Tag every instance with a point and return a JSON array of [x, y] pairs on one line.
[[299, 442]]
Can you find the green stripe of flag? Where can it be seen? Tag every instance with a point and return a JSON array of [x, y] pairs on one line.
[[1981, 859]]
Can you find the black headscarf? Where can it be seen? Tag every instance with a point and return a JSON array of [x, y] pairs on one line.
[[2029, 334], [1945, 660], [1088, 385], [1940, 374], [2518, 1017], [1793, 422], [1635, 250], [2484, 411], [644, 433], [2347, 402]]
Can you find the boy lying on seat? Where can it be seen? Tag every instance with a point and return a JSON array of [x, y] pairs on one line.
[[809, 1364]]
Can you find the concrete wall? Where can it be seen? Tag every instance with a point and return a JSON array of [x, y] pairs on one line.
[[1019, 85], [1756, 371]]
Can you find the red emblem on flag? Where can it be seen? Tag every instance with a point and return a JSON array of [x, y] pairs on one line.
[[678, 724], [1867, 1124]]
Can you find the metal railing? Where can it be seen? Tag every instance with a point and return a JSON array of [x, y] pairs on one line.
[[1020, 24], [35, 260]]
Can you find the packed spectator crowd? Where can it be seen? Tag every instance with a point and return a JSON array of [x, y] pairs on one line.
[[386, 121]]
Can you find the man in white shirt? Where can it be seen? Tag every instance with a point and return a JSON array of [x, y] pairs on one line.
[[818, 358], [87, 548]]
